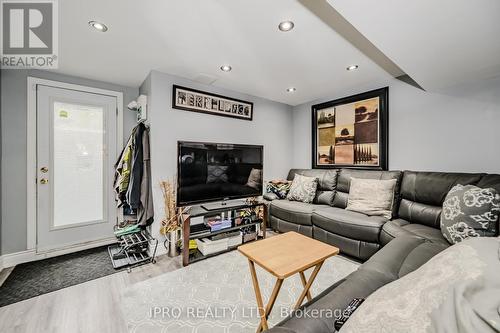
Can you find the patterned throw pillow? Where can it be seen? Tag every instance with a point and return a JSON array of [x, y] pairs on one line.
[[303, 189], [470, 211], [279, 187], [217, 174]]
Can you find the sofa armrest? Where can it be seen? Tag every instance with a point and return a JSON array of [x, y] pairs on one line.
[[270, 196], [280, 330]]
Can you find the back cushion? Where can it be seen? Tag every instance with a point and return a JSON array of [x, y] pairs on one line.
[[326, 185], [344, 183], [423, 193], [492, 181]]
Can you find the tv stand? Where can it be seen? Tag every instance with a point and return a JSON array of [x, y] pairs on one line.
[[200, 213], [223, 204]]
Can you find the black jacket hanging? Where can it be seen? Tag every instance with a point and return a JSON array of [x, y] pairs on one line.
[[134, 187]]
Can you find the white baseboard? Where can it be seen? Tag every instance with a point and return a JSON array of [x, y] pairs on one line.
[[161, 238], [13, 259], [161, 250]]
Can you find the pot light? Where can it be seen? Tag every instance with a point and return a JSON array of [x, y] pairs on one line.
[[98, 26], [291, 89], [352, 67], [225, 68], [286, 26]]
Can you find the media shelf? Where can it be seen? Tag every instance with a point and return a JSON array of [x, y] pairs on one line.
[[213, 233], [198, 256], [258, 225]]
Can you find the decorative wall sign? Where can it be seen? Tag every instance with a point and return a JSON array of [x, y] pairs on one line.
[[352, 131], [199, 101]]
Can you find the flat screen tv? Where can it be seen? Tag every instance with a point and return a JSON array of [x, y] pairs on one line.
[[217, 171]]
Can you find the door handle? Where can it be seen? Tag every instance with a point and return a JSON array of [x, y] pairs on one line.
[[44, 181], [44, 169]]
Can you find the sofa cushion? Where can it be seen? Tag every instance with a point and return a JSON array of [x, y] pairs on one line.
[[423, 194], [327, 183], [492, 181], [352, 247], [293, 211], [400, 227], [403, 255], [417, 212], [280, 225], [348, 223]]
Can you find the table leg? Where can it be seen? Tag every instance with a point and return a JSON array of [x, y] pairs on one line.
[[258, 296], [270, 304], [308, 285], [304, 282]]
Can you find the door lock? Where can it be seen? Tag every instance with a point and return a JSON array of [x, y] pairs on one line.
[[44, 169], [44, 181]]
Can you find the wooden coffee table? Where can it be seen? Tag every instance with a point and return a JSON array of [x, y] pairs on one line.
[[283, 256]]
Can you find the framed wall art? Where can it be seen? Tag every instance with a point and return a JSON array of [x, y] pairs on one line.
[[352, 132], [199, 101]]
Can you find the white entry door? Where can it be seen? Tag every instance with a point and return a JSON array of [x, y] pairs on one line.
[[76, 151]]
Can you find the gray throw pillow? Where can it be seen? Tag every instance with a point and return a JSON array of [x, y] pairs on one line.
[[303, 189], [470, 211], [217, 174], [372, 197]]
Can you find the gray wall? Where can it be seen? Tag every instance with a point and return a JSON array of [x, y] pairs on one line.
[[271, 127], [13, 145], [1, 98], [455, 130]]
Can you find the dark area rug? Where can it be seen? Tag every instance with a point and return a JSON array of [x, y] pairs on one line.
[[40, 277]]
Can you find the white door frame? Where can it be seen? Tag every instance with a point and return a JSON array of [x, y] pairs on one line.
[[31, 175]]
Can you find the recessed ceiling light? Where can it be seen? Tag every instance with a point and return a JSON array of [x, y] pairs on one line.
[[225, 68], [352, 67], [286, 26], [98, 26], [291, 89]]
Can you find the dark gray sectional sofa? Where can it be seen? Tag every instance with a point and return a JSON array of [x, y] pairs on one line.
[[392, 247]]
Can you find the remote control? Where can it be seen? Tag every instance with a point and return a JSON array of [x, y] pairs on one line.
[[353, 305]]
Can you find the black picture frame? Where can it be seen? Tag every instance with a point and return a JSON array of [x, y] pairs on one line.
[[193, 100], [382, 138]]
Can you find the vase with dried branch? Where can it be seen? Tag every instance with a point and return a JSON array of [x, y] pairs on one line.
[[170, 225]]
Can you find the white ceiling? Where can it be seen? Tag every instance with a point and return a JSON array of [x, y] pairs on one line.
[[438, 43], [193, 37]]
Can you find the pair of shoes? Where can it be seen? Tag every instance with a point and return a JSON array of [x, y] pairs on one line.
[[119, 255], [126, 223], [137, 249], [131, 229]]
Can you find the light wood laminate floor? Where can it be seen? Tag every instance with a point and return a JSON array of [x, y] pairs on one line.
[[88, 307]]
